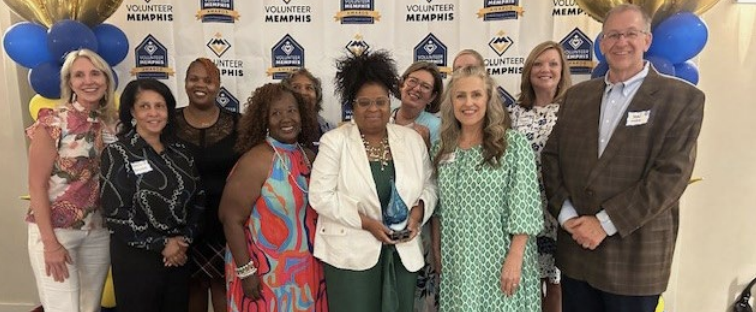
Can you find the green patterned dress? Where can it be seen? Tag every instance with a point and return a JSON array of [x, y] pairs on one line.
[[481, 208]]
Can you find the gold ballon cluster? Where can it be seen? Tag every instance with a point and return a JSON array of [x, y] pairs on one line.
[[659, 10], [48, 12]]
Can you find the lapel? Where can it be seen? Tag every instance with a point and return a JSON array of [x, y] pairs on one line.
[[359, 168], [402, 162], [642, 101]]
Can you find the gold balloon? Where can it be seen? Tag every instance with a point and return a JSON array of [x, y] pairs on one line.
[[659, 10], [49, 12]]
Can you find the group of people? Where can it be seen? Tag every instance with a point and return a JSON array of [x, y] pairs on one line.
[[565, 201]]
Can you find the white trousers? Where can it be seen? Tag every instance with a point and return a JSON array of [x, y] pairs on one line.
[[82, 290]]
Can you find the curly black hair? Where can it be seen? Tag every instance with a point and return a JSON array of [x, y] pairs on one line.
[[253, 126], [353, 72]]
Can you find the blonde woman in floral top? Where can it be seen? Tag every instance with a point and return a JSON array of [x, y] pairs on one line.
[[545, 78], [68, 242]]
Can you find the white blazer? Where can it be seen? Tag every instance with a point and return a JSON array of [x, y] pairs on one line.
[[342, 186]]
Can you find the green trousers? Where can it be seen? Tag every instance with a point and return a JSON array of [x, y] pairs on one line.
[[386, 287]]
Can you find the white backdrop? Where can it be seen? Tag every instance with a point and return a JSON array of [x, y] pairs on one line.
[[241, 36]]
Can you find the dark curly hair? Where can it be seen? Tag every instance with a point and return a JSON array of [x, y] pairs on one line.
[[253, 126], [353, 72]]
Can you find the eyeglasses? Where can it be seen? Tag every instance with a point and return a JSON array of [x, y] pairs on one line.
[[614, 36], [366, 102], [413, 82]]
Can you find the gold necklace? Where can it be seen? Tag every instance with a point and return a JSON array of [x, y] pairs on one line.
[[380, 153]]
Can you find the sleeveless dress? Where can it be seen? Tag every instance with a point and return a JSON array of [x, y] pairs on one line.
[[280, 232]]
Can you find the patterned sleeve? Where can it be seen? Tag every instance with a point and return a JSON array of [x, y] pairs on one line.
[[525, 215], [48, 119], [117, 188]]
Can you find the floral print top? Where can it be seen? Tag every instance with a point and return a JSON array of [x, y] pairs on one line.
[[73, 189]]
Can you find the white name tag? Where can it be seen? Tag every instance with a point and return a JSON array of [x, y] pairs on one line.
[[141, 166], [637, 118]]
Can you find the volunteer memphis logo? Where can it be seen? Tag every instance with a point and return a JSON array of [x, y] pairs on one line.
[[505, 97], [430, 49], [217, 11], [438, 12], [227, 67], [566, 8], [497, 10], [149, 12], [578, 50], [357, 12], [501, 43], [227, 100], [218, 45], [357, 46], [287, 56], [151, 60], [288, 13]]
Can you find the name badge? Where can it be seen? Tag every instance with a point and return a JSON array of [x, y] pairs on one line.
[[637, 118], [526, 121], [141, 167], [447, 158]]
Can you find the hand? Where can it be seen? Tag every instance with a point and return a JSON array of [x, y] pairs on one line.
[[510, 273], [424, 132], [252, 287], [56, 261], [174, 253], [569, 225], [379, 230], [414, 222], [587, 232]]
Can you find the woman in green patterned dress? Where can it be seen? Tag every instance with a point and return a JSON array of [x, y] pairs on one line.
[[489, 202]]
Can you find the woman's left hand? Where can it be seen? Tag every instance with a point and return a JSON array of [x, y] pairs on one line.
[[510, 274], [414, 224]]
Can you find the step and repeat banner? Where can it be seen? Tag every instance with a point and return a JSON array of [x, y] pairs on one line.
[[258, 41]]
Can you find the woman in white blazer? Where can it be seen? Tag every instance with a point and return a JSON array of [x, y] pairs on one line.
[[364, 171]]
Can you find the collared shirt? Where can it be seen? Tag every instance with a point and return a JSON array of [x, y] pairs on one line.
[[148, 197], [80, 136], [614, 103]]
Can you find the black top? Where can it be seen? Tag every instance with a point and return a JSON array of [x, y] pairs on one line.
[[147, 196], [213, 150]]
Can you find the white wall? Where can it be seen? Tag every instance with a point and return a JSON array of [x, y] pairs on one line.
[[715, 256], [17, 290]]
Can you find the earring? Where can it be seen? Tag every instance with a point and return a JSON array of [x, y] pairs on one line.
[[267, 132], [133, 122]]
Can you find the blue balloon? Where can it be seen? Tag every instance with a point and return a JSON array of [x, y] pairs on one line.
[[112, 42], [45, 79], [679, 37], [687, 71], [67, 35], [600, 70], [597, 48], [661, 64], [26, 44]]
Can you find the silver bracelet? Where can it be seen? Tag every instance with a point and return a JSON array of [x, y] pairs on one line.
[[246, 270]]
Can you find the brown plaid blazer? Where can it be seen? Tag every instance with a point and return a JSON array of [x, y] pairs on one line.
[[638, 181]]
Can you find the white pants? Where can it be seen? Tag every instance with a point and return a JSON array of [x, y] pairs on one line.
[[82, 290]]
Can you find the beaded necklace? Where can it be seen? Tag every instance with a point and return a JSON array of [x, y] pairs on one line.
[[380, 153], [286, 167]]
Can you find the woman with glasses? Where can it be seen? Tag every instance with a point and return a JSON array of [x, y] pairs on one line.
[[371, 186], [420, 92]]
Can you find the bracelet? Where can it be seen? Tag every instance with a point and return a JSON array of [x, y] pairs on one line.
[[246, 270]]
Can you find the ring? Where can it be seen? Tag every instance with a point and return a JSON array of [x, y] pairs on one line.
[[514, 285]]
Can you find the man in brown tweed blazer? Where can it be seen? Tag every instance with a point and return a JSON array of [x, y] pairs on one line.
[[615, 166]]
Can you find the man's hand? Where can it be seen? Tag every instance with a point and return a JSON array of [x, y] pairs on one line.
[[586, 231]]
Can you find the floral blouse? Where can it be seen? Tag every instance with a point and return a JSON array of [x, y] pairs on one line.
[[73, 189]]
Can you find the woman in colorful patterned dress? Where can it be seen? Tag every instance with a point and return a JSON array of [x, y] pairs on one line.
[[68, 241], [545, 78], [489, 202], [266, 216]]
